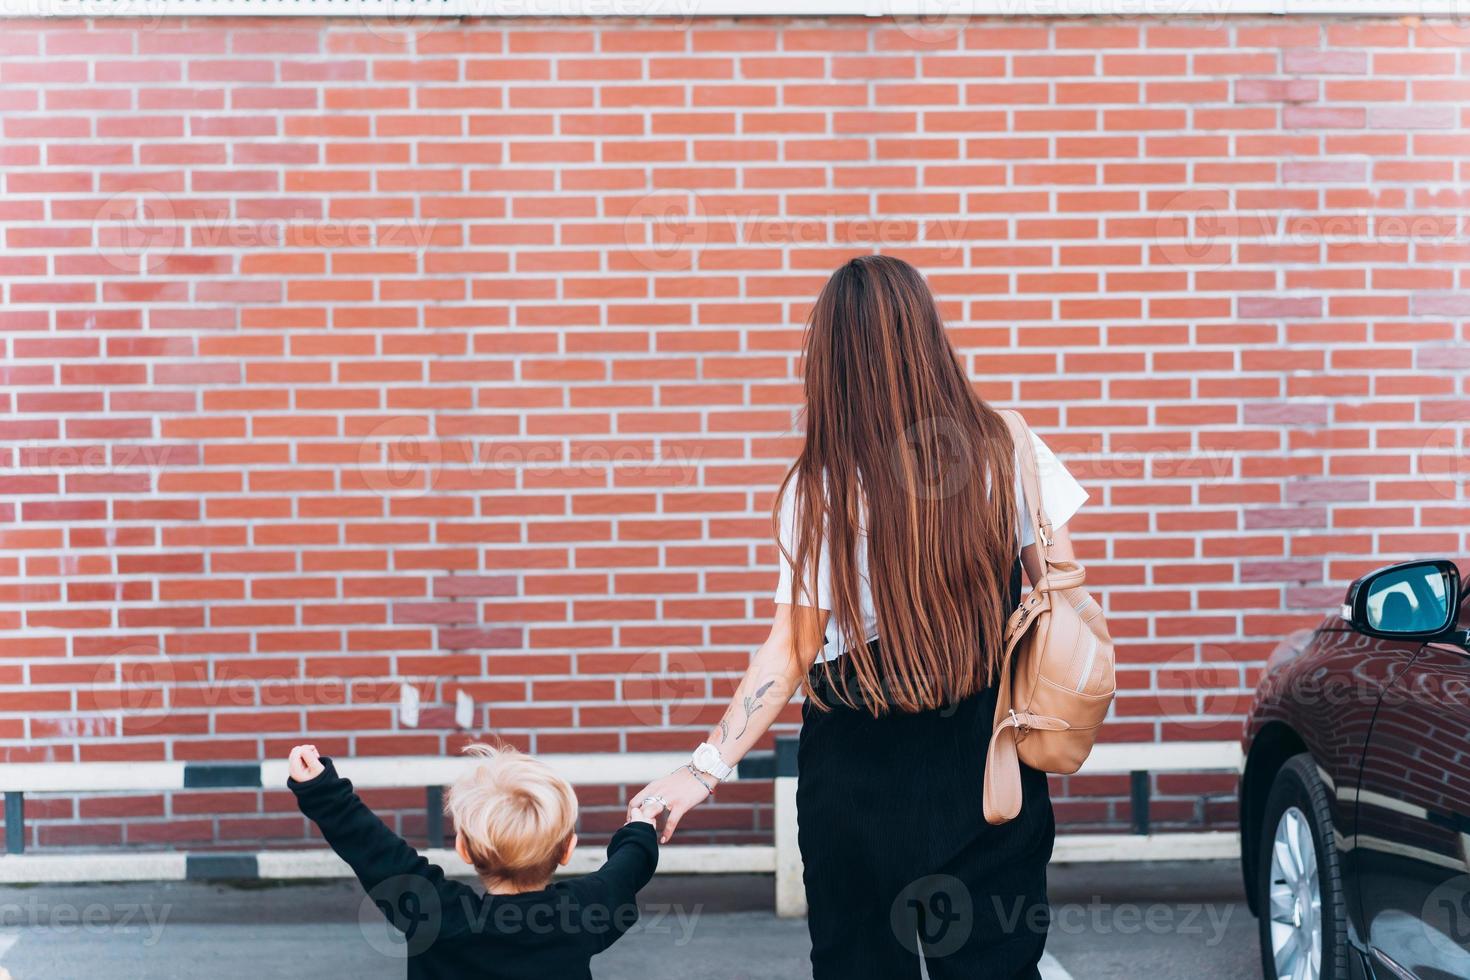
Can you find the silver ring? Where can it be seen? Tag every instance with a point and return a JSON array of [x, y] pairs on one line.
[[652, 799]]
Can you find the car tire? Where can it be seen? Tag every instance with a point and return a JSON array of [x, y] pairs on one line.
[[1298, 817]]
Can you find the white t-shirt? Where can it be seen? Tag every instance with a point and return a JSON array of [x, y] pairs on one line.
[[1061, 494]]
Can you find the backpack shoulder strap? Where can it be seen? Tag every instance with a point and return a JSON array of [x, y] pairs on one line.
[[1030, 481]]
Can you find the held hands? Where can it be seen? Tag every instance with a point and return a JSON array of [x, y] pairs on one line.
[[678, 792], [644, 812], [306, 762]]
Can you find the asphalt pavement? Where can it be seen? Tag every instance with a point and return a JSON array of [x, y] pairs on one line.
[[1183, 920]]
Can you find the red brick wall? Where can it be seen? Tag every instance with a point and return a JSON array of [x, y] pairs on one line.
[[467, 357]]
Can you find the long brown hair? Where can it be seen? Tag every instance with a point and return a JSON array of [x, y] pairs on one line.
[[899, 444]]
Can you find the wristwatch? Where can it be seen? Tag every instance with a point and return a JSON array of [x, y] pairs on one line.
[[706, 758]]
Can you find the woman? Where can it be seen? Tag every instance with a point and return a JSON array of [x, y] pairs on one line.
[[899, 568]]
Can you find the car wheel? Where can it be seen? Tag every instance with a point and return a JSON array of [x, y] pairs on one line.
[[1303, 918]]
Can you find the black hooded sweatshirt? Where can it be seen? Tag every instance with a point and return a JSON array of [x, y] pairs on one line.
[[446, 929]]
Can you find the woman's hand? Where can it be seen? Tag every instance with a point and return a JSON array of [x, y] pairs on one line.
[[773, 676], [306, 762], [680, 792]]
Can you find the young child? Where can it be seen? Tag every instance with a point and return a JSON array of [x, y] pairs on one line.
[[514, 823]]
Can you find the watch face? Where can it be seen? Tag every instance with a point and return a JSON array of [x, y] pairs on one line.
[[707, 759]]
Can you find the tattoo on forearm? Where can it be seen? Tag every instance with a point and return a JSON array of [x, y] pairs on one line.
[[724, 730], [753, 704]]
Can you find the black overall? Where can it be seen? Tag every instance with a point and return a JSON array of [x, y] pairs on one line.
[[899, 861]]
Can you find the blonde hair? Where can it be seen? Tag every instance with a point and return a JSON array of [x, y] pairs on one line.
[[515, 814]]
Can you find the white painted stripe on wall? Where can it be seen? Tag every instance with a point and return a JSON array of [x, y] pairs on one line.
[[16, 869], [691, 859], [1113, 757], [678, 860], [589, 769], [440, 770], [679, 10], [86, 777], [1203, 846]]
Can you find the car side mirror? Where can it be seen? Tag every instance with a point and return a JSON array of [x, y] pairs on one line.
[[1415, 600]]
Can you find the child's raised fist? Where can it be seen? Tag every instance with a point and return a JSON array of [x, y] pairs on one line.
[[306, 762]]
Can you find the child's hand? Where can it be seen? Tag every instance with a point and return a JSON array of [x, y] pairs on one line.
[[646, 811], [306, 762]]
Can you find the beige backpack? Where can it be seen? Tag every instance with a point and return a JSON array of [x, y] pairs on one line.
[[1056, 678]]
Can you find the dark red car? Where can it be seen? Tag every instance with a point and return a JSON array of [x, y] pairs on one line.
[[1355, 797]]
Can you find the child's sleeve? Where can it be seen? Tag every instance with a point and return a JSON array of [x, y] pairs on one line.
[[632, 857], [412, 894]]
